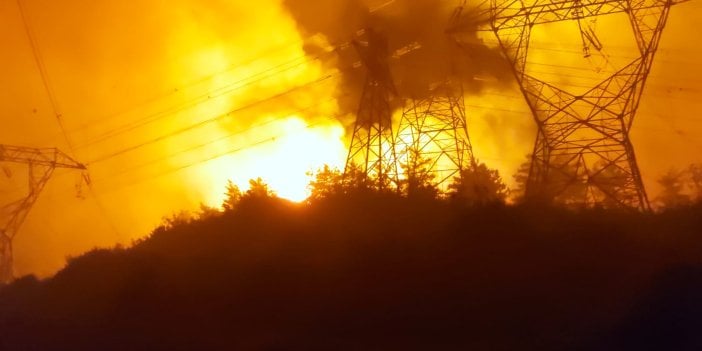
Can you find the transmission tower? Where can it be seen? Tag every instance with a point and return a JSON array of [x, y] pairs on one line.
[[41, 164], [583, 154], [434, 129], [372, 148]]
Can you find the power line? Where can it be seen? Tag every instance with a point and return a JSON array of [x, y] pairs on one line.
[[598, 80], [44, 74], [54, 104], [205, 122], [228, 114], [208, 159], [171, 92], [219, 117], [537, 46], [654, 76], [221, 91], [213, 142], [227, 89]]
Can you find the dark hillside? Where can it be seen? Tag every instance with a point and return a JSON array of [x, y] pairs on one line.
[[377, 272]]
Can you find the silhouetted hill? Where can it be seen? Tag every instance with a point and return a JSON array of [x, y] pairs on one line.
[[377, 272]]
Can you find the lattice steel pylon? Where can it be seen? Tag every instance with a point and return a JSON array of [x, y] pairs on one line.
[[434, 129], [583, 154], [41, 164], [372, 149]]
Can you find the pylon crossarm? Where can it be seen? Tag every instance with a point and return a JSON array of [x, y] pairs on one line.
[[49, 157], [542, 12], [511, 14]]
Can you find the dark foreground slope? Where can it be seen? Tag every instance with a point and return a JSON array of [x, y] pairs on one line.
[[377, 273]]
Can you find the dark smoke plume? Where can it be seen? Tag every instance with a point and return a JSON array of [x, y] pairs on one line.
[[416, 32]]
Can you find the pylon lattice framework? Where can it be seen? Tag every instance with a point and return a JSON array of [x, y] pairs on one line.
[[434, 129], [41, 164], [583, 154], [372, 147]]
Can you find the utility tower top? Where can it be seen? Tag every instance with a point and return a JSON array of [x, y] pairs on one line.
[[499, 14], [372, 47], [41, 163], [49, 157]]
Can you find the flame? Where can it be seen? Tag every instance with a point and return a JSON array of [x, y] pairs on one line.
[[280, 150], [292, 149], [280, 129]]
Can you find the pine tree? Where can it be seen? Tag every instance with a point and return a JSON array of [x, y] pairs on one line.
[[233, 196], [479, 185]]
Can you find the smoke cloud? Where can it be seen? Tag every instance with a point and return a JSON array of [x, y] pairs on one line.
[[423, 54]]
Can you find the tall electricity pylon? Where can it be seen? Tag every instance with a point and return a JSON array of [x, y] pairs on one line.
[[372, 148], [434, 129], [41, 164], [583, 154]]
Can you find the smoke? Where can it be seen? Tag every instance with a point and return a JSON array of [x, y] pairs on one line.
[[423, 54]]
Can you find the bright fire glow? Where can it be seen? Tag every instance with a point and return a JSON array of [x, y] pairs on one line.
[[292, 149], [279, 140]]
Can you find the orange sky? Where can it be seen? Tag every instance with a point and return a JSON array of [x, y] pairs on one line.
[[124, 74]]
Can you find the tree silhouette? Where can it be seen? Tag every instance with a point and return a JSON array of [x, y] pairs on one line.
[[233, 196], [326, 182], [419, 180], [207, 212], [611, 183], [479, 185], [566, 184], [672, 194], [177, 219], [563, 184], [357, 266], [695, 175], [357, 181], [258, 189], [518, 193]]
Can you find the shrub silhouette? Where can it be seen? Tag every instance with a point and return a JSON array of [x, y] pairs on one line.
[[479, 185], [367, 270], [673, 184]]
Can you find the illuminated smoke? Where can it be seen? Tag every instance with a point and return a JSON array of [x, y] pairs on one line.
[[416, 33]]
